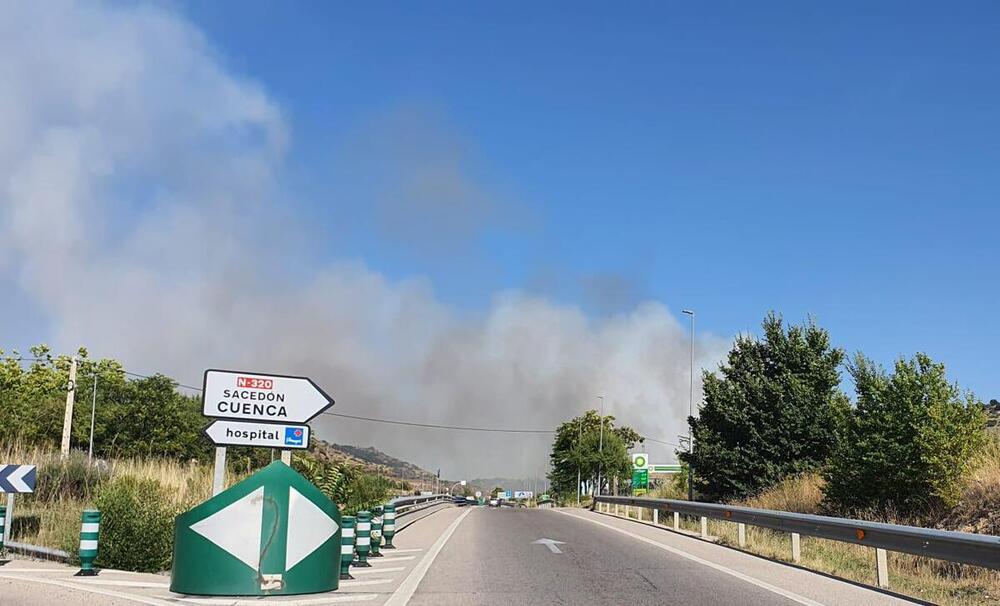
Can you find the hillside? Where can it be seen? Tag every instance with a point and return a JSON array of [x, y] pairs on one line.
[[378, 462]]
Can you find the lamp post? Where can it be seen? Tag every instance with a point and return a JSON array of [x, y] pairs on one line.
[[690, 312], [462, 482], [600, 449]]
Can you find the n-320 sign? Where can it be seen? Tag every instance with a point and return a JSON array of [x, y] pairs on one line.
[[230, 394]]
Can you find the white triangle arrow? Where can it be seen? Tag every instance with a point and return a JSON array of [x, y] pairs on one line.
[[16, 479], [551, 544], [308, 528], [236, 529]]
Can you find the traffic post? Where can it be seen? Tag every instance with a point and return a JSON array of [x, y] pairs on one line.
[[389, 524], [376, 533], [346, 546], [90, 525], [3, 514], [364, 529]]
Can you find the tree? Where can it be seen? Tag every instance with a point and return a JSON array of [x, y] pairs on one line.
[[577, 446], [908, 442], [774, 410]]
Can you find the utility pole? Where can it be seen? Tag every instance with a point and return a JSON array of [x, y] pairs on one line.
[[690, 312], [93, 410], [68, 419]]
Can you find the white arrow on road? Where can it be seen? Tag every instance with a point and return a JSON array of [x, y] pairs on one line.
[[551, 544]]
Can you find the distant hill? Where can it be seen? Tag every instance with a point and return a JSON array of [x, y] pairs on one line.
[[376, 461]]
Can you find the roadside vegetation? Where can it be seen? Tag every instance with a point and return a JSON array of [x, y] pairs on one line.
[[150, 461], [776, 431]]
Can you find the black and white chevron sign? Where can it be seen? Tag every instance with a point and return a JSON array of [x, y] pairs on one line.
[[17, 478]]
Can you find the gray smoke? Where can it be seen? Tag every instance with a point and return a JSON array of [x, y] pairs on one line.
[[143, 213]]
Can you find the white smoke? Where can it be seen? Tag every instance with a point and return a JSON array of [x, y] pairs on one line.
[[141, 208]]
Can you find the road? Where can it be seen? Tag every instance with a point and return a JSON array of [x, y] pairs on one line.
[[473, 556]]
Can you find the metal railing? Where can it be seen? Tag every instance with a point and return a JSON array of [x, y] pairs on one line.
[[408, 504], [961, 547]]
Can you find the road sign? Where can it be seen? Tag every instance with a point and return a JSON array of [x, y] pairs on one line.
[[640, 461], [231, 394], [224, 432], [17, 478], [505, 495], [274, 533], [523, 494], [640, 478], [479, 494]]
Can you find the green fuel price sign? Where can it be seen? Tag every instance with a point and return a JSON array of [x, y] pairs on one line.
[[640, 478]]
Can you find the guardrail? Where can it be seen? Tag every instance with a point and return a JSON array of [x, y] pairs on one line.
[[409, 504], [961, 547]]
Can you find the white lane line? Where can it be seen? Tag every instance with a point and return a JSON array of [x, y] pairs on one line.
[[392, 551], [122, 583], [355, 597], [70, 571], [105, 592], [402, 595], [739, 575], [390, 560], [346, 584], [357, 571]]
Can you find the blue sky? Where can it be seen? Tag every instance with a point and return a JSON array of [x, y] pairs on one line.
[[840, 161]]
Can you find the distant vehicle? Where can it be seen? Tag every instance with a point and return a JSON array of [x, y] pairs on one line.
[[470, 500], [494, 503], [459, 500]]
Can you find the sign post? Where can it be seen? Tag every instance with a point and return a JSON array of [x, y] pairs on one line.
[[261, 410]]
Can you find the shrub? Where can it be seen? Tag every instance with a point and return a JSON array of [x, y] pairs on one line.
[[71, 478], [909, 442], [137, 525]]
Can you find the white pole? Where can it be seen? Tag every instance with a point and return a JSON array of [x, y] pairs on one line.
[[93, 409], [286, 457], [68, 418], [219, 474], [8, 518], [600, 460]]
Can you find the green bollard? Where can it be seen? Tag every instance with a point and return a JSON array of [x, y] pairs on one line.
[[346, 546], [376, 533], [364, 544], [389, 525], [3, 517], [89, 529]]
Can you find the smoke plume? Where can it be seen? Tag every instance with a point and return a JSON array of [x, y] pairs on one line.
[[142, 211]]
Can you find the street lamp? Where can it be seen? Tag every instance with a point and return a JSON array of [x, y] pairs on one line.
[[600, 449], [690, 312], [462, 482]]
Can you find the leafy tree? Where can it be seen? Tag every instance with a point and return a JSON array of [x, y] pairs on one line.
[[773, 411], [908, 442], [577, 445]]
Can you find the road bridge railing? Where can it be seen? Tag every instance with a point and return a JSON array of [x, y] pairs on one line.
[[960, 547]]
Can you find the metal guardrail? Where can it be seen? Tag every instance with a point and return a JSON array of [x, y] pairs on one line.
[[961, 547], [408, 504], [37, 551]]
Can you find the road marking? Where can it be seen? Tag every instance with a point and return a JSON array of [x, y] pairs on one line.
[[374, 561], [402, 595], [122, 583], [106, 592], [5, 570], [357, 571], [357, 597], [392, 551], [550, 544], [359, 583], [739, 575]]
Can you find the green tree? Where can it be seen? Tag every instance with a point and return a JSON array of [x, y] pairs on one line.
[[577, 445], [774, 410], [908, 442]]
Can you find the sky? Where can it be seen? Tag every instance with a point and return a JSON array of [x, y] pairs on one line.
[[492, 214]]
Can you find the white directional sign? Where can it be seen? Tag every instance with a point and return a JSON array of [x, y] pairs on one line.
[[224, 432], [523, 494], [252, 396]]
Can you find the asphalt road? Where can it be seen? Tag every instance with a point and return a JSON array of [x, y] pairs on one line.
[[491, 559]]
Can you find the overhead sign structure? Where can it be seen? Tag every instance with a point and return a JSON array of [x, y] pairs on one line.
[[640, 461], [273, 533], [231, 394], [17, 479], [224, 432]]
